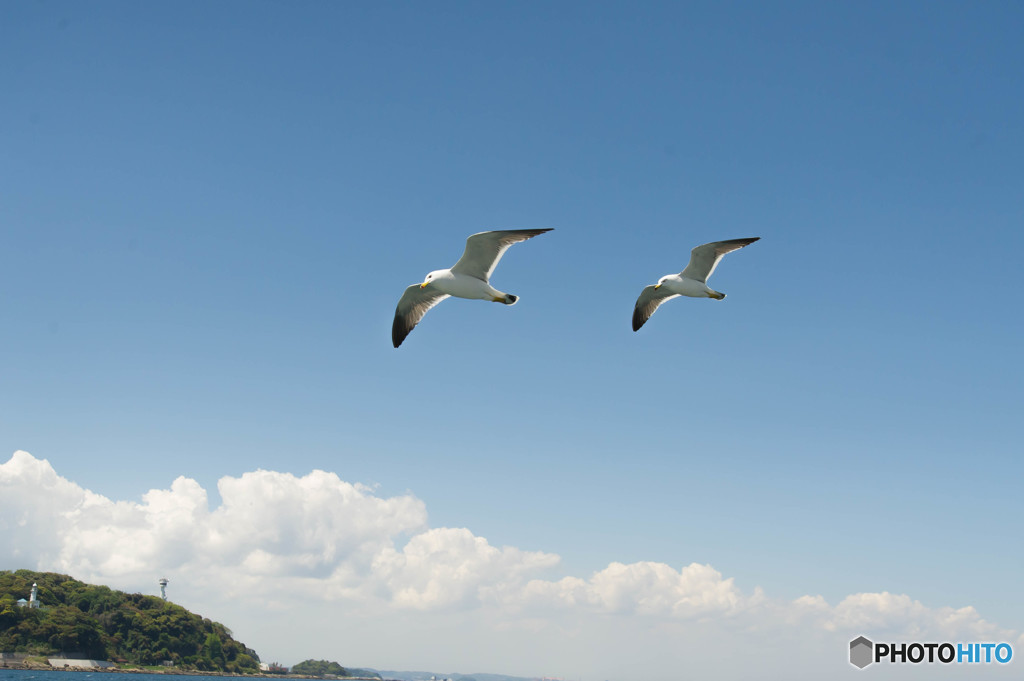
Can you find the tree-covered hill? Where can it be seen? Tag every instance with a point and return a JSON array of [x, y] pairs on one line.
[[319, 668], [78, 619], [325, 668]]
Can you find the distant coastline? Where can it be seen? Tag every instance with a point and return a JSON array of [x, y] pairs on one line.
[[171, 671]]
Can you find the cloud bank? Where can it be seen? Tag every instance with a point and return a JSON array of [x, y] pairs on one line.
[[277, 539]]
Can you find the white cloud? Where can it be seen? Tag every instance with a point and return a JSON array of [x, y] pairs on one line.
[[645, 588], [445, 566], [886, 612], [278, 542], [271, 527]]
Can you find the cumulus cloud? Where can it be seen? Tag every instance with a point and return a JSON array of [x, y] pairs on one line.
[[644, 588], [445, 566], [276, 536], [314, 532], [880, 612]]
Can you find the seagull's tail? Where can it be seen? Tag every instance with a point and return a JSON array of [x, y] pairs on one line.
[[510, 299]]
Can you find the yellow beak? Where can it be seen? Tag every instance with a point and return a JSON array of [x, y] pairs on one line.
[[657, 286], [424, 284]]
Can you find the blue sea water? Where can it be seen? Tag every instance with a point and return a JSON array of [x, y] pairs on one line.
[[51, 675]]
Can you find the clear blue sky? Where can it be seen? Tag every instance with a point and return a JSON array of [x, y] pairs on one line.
[[209, 211]]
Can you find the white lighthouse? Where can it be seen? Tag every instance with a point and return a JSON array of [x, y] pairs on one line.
[[163, 588], [33, 599]]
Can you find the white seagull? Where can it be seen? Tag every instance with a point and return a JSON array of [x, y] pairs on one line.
[[468, 278], [690, 282]]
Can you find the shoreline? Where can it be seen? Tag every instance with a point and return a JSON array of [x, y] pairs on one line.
[[171, 671]]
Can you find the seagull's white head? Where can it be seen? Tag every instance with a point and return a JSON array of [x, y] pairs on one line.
[[661, 282], [430, 277]]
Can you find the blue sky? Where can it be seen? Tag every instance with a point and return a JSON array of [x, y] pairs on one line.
[[209, 213]]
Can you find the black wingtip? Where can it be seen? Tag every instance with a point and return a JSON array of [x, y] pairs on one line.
[[638, 320], [398, 331], [741, 242]]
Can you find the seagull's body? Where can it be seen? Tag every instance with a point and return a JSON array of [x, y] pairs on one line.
[[468, 278], [692, 281]]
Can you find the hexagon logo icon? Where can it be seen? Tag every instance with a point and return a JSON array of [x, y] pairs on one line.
[[860, 652]]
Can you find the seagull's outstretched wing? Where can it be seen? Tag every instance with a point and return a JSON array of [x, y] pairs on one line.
[[649, 300], [414, 303], [484, 250], [704, 259]]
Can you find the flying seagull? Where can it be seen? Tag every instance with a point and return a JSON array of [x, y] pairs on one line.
[[468, 278], [690, 282]]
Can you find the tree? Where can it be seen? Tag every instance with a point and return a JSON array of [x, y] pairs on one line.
[[213, 649], [319, 668]]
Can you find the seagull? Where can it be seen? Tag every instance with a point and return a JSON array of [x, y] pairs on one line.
[[468, 278], [690, 282]]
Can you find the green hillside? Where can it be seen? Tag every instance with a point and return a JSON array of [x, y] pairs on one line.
[[78, 619], [327, 669]]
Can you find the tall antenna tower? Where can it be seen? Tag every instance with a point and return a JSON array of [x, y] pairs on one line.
[[163, 588]]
